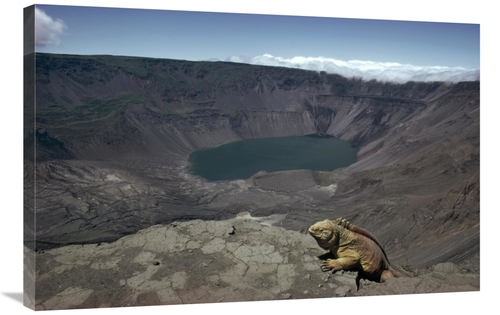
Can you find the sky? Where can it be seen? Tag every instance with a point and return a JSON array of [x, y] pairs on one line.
[[386, 50]]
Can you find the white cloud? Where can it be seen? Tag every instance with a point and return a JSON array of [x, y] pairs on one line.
[[381, 71], [47, 30]]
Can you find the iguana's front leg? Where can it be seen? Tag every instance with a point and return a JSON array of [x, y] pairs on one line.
[[344, 263]]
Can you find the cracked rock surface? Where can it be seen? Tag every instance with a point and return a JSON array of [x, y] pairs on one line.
[[241, 259]]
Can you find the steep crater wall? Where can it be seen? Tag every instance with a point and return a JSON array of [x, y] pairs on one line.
[[194, 105]]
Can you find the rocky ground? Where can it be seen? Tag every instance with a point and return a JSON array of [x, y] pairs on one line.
[[240, 259]]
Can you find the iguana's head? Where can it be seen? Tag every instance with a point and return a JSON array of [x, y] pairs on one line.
[[325, 232]]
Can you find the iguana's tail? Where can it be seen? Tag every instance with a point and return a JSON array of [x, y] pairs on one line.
[[397, 273]]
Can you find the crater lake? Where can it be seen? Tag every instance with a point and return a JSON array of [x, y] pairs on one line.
[[242, 159]]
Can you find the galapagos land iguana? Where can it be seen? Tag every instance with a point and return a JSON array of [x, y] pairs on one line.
[[354, 249]]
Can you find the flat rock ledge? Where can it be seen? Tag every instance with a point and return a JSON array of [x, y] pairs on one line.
[[242, 259]]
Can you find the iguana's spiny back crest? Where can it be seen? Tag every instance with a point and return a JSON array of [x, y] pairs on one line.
[[353, 228]]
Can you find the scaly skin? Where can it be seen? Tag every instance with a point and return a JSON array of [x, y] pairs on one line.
[[354, 249], [343, 222]]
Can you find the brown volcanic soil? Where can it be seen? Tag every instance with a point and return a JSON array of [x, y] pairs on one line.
[[113, 134]]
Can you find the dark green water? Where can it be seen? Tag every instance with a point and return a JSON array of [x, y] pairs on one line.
[[242, 159]]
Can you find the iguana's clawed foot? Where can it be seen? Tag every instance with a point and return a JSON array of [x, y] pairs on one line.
[[326, 269], [330, 264]]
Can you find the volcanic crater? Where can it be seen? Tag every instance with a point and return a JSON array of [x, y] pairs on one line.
[[107, 140]]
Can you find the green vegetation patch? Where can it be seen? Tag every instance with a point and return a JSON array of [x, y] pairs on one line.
[[96, 109], [137, 66]]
